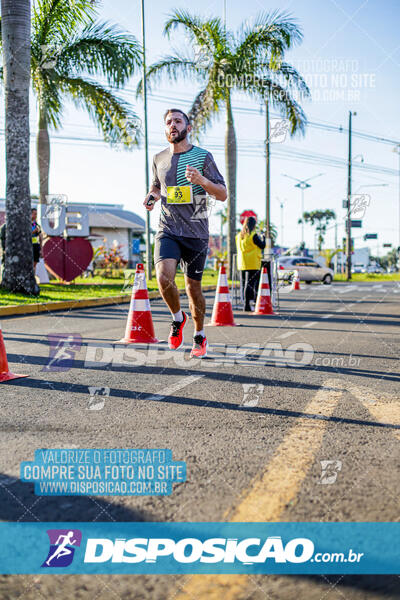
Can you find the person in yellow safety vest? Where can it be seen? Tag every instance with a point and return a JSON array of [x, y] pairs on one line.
[[249, 247], [36, 239]]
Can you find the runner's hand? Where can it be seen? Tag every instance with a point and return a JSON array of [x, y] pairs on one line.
[[193, 175], [150, 201]]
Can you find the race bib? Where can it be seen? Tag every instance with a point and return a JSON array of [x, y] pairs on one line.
[[179, 194]]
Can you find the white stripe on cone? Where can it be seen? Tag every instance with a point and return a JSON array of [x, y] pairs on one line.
[[140, 304], [223, 298], [265, 292], [223, 280]]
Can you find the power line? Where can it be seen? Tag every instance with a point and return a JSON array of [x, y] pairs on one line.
[[317, 125]]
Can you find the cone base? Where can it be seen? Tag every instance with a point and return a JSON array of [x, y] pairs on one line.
[[128, 341], [8, 376]]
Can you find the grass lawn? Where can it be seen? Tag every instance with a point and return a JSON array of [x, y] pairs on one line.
[[95, 287], [370, 277]]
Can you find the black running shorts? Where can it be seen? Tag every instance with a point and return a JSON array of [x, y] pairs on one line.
[[190, 252]]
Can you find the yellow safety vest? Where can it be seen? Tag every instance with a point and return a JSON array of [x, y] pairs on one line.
[[248, 254]]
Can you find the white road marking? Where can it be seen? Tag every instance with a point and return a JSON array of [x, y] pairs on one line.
[[287, 334], [311, 324], [176, 387], [327, 316], [340, 310]]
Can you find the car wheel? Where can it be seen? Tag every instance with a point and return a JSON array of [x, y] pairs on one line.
[[308, 282], [327, 280]]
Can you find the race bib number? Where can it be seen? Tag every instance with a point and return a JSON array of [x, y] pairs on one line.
[[179, 194]]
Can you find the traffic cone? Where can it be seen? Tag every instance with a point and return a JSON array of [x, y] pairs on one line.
[[296, 281], [222, 315], [5, 374], [264, 304], [139, 327]]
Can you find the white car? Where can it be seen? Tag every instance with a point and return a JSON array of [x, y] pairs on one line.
[[309, 270]]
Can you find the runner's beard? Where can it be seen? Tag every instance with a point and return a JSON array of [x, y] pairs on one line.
[[181, 136]]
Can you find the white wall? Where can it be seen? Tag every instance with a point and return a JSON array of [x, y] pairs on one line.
[[119, 236]]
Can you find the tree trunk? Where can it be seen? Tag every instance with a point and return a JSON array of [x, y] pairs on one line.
[[18, 275], [230, 162], [43, 156]]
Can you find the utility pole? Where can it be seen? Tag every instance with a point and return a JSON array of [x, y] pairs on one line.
[[397, 150], [336, 245], [348, 228], [146, 150], [268, 246]]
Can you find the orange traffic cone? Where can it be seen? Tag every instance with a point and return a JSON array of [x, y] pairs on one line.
[[222, 314], [264, 304], [296, 281], [5, 374], [139, 328]]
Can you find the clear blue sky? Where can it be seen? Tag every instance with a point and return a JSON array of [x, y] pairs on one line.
[[355, 41]]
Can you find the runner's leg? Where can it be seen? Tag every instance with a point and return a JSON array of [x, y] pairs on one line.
[[197, 302], [166, 271]]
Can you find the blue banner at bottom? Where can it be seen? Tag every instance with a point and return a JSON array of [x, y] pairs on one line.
[[190, 548]]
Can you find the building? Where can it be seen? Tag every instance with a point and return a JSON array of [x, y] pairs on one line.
[[109, 222], [117, 226]]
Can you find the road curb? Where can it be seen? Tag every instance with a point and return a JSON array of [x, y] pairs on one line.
[[39, 307]]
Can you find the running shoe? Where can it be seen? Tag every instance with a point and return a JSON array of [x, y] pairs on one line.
[[200, 347], [175, 338]]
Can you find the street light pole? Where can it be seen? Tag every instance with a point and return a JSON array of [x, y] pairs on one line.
[[146, 150], [302, 185]]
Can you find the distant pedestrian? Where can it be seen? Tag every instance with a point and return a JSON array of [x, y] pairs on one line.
[[36, 239], [249, 247]]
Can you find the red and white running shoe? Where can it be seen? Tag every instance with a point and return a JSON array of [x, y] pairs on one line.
[[200, 347], [175, 338]]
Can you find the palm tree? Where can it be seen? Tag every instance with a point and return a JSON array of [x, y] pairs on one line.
[[71, 55], [249, 61], [321, 219], [18, 273], [273, 231]]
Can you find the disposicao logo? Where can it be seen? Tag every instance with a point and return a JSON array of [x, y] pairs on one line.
[[190, 550], [62, 547]]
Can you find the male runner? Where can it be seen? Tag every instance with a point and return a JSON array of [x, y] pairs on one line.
[[183, 175]]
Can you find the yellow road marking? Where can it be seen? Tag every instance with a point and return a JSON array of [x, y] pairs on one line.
[[269, 495], [385, 409]]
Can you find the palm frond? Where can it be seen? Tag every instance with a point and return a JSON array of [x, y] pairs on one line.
[[282, 101], [53, 20], [271, 33], [114, 117], [204, 108], [48, 98], [101, 49], [292, 78], [173, 67], [203, 32]]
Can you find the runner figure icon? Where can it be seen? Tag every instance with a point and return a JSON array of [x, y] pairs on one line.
[[62, 549]]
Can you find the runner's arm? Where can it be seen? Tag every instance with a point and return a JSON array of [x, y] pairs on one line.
[[218, 190], [211, 181], [154, 190]]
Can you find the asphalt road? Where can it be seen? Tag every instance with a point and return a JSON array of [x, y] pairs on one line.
[[277, 395]]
